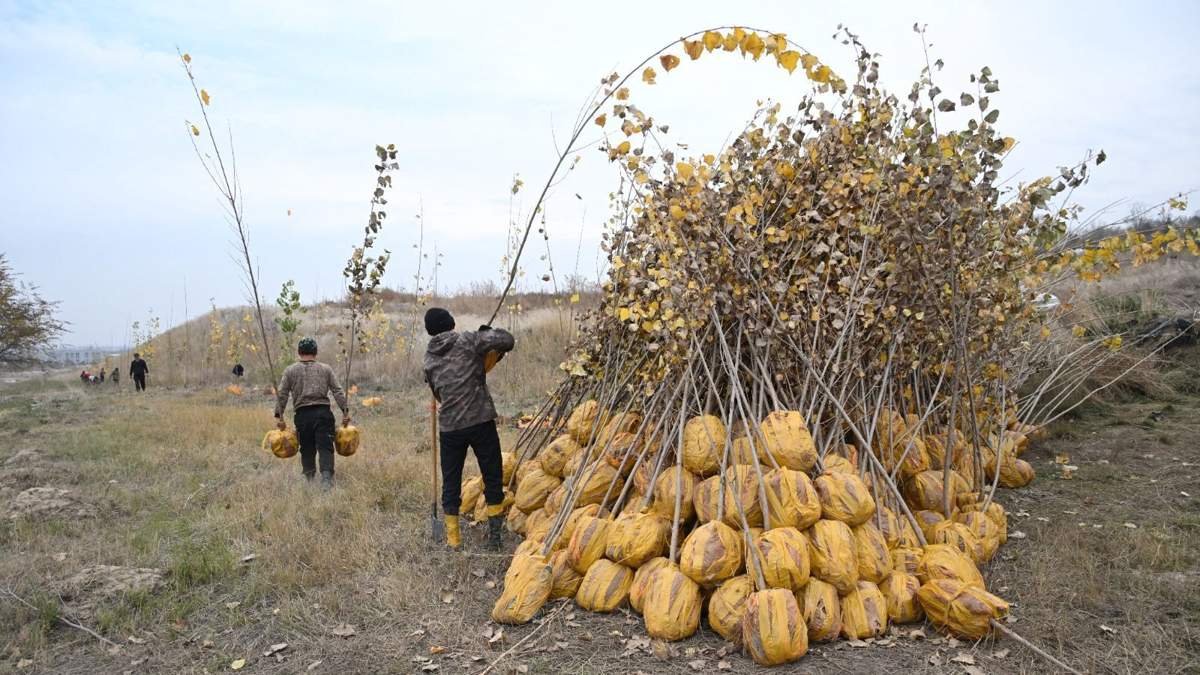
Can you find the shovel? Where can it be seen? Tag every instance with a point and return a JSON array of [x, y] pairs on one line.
[[437, 529]]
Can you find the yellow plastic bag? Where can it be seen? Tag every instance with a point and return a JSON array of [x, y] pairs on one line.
[[641, 581], [555, 500], [703, 443], [508, 464], [834, 554], [621, 423], [711, 554], [832, 463], [906, 559], [576, 516], [960, 537], [553, 458], [597, 479], [632, 541], [564, 581], [960, 609], [527, 586], [622, 452], [889, 526], [472, 490], [844, 497], [588, 543], [874, 559], [605, 587], [900, 591], [741, 486], [1016, 474], [583, 424], [941, 561], [985, 531], [282, 444], [671, 606], [773, 629], [533, 489], [665, 491], [923, 492], [516, 520], [782, 555], [727, 607], [537, 525], [822, 610], [785, 437], [792, 501], [909, 454], [864, 612], [346, 440], [927, 520]]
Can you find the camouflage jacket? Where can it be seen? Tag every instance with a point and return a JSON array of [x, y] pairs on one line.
[[454, 371]]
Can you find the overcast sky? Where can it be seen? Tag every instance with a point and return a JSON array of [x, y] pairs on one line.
[[106, 208]]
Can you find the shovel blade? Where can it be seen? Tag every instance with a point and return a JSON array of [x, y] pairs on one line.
[[437, 529]]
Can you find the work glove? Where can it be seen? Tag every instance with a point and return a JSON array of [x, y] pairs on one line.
[[345, 419], [484, 327], [280, 424]]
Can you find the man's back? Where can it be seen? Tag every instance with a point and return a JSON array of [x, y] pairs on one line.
[[309, 383], [454, 371]]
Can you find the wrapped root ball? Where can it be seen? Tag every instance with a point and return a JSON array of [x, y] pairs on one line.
[[537, 525], [927, 520], [346, 440], [621, 423], [792, 501], [844, 497], [941, 561], [605, 587], [864, 612], [773, 630], [889, 526], [834, 554], [1016, 473], [711, 554], [472, 490], [641, 581], [564, 580], [588, 543], [924, 490], [527, 586], [782, 555], [516, 521], [557, 498], [553, 458], [935, 449], [727, 606], [906, 559], [282, 444], [576, 516], [744, 451], [959, 609], [534, 488], [622, 452], [665, 490], [672, 604], [583, 424], [995, 512], [634, 541], [960, 537], [832, 463], [874, 559], [908, 457], [597, 480], [900, 591], [508, 464], [703, 444], [985, 531], [740, 488], [528, 547], [822, 610], [785, 437], [908, 535]]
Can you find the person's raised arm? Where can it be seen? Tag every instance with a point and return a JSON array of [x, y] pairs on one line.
[[490, 339]]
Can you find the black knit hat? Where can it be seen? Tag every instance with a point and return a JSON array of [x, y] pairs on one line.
[[307, 346], [438, 320]]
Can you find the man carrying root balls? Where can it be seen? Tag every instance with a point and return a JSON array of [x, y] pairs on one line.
[[138, 370], [309, 383], [455, 371]]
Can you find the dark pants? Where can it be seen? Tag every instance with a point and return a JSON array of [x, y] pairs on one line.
[[139, 382], [483, 439], [315, 428]]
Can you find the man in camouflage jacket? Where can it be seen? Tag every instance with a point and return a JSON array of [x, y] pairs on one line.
[[455, 371]]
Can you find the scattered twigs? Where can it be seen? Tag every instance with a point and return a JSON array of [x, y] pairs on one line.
[[62, 619], [1032, 647]]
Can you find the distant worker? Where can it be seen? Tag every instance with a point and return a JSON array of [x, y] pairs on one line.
[[238, 370], [454, 369], [116, 376], [102, 371], [138, 370], [85, 377], [309, 383]]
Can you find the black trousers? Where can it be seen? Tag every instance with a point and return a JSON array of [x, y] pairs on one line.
[[485, 442], [315, 428], [139, 382]]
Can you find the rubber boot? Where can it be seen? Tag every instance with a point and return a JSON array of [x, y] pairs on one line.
[[326, 481], [495, 523], [453, 533]]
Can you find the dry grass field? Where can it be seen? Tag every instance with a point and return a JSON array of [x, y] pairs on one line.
[[237, 556]]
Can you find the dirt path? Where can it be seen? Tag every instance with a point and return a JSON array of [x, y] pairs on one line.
[[215, 553]]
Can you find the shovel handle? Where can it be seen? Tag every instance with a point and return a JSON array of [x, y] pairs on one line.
[[433, 427]]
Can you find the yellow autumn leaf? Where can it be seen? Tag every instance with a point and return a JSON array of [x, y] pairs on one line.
[[693, 48], [684, 170], [754, 45], [821, 74], [187, 58], [777, 42], [648, 75], [574, 298], [204, 96], [238, 664], [712, 40], [788, 59], [623, 313], [1009, 142], [808, 61], [676, 212], [195, 131], [623, 148], [623, 93], [601, 119], [786, 169], [1078, 331], [668, 61], [732, 39]]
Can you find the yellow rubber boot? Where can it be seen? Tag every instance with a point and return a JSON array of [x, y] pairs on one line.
[[453, 533]]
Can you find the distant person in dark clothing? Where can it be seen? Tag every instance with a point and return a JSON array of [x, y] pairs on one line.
[[238, 370], [85, 377], [309, 383], [138, 370], [116, 376], [102, 371]]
